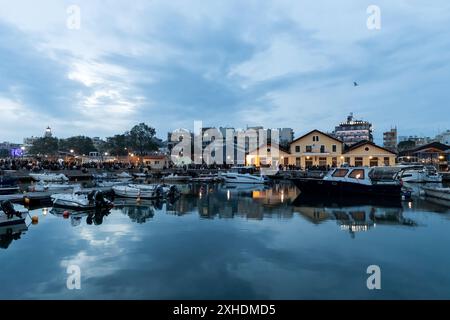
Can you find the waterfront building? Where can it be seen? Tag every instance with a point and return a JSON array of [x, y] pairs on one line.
[[390, 139], [156, 161], [367, 153], [353, 131], [268, 155], [434, 153], [48, 132], [316, 148], [286, 136]]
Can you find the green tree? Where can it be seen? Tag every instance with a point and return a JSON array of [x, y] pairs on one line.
[[406, 145], [118, 145], [44, 146], [79, 144], [141, 138]]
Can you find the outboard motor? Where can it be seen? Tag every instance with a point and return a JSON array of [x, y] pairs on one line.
[[9, 210], [159, 192]]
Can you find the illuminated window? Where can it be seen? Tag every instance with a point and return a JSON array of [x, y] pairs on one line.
[[357, 174]]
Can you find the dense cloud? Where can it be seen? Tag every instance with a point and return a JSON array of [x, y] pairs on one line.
[[238, 63]]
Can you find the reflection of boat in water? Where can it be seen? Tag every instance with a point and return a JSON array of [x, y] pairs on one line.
[[10, 233], [356, 218], [92, 216], [242, 187], [138, 211]]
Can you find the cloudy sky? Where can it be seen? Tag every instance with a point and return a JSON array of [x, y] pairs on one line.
[[231, 63]]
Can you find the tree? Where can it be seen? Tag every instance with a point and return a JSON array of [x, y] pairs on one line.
[[141, 138], [118, 145], [406, 145], [44, 146], [79, 144]]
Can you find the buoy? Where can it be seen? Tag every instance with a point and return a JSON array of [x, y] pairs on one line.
[[66, 214], [34, 220]]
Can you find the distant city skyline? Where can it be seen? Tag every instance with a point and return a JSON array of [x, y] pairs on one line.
[[236, 63]]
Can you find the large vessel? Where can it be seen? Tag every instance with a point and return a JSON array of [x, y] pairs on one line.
[[243, 175], [371, 182]]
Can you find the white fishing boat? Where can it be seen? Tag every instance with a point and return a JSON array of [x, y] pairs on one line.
[[133, 191], [437, 192], [243, 175], [419, 174], [176, 178], [48, 177], [145, 191], [81, 201], [124, 175], [42, 186]]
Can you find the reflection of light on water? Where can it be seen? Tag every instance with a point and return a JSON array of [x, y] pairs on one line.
[[282, 197], [355, 227], [200, 194], [410, 205], [256, 194], [44, 211], [228, 194]]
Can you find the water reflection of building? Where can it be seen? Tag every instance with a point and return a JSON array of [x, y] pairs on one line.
[[357, 218], [229, 201]]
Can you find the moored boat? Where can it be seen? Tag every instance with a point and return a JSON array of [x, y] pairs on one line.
[[437, 192], [49, 177], [9, 215], [81, 201], [419, 174], [42, 186], [8, 185], [371, 182], [243, 175], [176, 178]]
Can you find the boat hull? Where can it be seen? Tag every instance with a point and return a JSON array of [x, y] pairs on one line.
[[8, 190], [342, 188], [439, 193]]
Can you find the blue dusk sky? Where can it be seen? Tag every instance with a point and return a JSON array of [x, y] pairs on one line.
[[227, 63]]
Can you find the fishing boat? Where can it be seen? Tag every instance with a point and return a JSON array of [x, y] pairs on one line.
[[8, 185], [49, 177], [42, 186], [124, 175], [9, 215], [420, 174], [362, 181], [437, 192], [81, 201], [176, 178], [243, 175], [145, 191]]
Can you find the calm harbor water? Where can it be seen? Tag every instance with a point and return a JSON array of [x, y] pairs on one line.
[[233, 243]]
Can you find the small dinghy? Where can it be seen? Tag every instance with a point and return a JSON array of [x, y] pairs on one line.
[[9, 215], [81, 201]]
